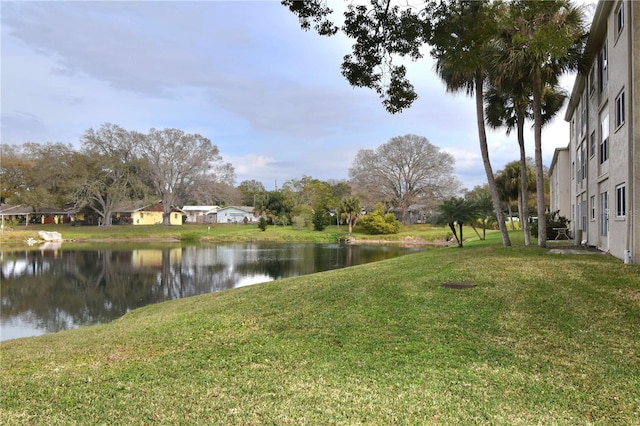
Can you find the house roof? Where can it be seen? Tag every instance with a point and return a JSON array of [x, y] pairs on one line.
[[7, 209], [207, 209], [246, 209], [23, 209], [53, 210], [136, 206], [130, 206]]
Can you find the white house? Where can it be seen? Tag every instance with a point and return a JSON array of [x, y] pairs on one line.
[[200, 214], [603, 185], [235, 214]]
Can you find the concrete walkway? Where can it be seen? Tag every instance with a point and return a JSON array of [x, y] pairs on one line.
[[575, 250]]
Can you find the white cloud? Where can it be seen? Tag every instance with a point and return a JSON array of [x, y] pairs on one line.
[[242, 74]]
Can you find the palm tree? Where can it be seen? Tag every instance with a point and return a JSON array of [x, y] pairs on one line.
[[509, 102], [461, 36], [351, 210], [484, 209], [456, 211], [508, 181], [548, 41]]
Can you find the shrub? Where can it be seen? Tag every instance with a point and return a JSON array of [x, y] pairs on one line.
[[262, 223], [377, 223], [299, 222], [320, 220], [553, 220], [304, 212]]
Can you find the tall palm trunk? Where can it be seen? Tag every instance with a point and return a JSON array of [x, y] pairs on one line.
[[524, 195], [537, 135], [482, 136]]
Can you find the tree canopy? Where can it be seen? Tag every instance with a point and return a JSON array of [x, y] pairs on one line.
[[406, 170], [115, 167]]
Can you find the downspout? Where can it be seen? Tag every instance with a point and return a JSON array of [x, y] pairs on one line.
[[632, 190]]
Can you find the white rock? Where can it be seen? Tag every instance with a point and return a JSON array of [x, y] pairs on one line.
[[50, 236]]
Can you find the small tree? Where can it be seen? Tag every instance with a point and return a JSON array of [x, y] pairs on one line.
[[485, 213], [456, 211], [350, 210], [320, 220], [262, 224]]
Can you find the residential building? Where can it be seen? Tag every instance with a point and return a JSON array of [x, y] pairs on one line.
[[200, 214], [560, 199], [604, 147], [151, 214], [25, 215], [235, 214]]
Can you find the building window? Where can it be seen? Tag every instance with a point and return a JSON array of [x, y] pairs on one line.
[[592, 201], [583, 162], [578, 215], [604, 213], [592, 80], [583, 115], [621, 201], [592, 144], [571, 128], [620, 19], [603, 149], [620, 109], [603, 63], [583, 215]]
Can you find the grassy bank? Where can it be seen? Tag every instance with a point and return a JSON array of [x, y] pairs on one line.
[[542, 339], [222, 233]]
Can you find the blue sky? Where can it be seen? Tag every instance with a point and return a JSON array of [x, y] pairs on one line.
[[241, 73]]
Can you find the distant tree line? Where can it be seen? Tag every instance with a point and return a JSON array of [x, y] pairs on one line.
[[114, 166]]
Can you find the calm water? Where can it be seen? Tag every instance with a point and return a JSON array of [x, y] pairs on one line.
[[51, 288]]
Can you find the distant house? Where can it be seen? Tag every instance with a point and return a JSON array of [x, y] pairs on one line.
[[24, 215], [49, 215], [200, 214], [15, 214], [235, 214], [150, 214]]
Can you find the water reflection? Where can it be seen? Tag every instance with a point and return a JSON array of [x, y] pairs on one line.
[[52, 289]]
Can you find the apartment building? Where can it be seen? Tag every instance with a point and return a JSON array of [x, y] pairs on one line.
[[603, 183]]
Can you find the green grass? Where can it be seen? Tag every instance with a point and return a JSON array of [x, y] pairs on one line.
[[543, 339], [209, 233]]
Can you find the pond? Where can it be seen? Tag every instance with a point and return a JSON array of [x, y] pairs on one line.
[[51, 288]]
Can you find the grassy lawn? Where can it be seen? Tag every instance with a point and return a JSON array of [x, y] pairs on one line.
[[224, 232], [543, 339]]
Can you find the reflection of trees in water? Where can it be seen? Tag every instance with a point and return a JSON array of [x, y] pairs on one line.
[[57, 290], [67, 289]]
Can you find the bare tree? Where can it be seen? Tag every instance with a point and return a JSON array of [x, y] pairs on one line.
[[406, 170], [178, 161], [112, 169]]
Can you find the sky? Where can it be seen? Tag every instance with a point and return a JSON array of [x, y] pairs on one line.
[[243, 74]]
